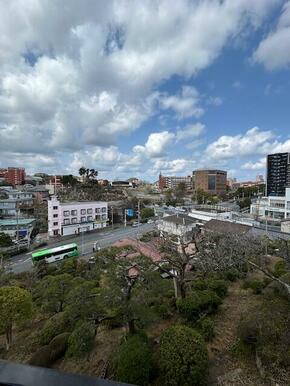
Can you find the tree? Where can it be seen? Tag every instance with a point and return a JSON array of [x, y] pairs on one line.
[[134, 360], [52, 292], [69, 180], [15, 307], [5, 240], [180, 190], [183, 356], [147, 213], [89, 174], [81, 340]]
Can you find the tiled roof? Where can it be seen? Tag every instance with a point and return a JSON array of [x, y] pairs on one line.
[[226, 227], [179, 219]]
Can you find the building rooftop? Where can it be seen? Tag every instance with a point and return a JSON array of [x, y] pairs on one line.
[[179, 219], [12, 222], [220, 226], [81, 203]]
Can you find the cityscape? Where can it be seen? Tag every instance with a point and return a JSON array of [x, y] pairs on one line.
[[145, 193]]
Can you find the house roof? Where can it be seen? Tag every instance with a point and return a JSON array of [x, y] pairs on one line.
[[179, 219], [226, 227]]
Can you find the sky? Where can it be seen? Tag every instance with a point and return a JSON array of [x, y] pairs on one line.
[[135, 88]]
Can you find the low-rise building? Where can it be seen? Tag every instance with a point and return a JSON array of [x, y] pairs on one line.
[[13, 200], [274, 208], [172, 182], [22, 226], [67, 218], [179, 225], [285, 225]]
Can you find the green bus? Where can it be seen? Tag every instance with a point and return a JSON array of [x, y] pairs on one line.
[[55, 254]]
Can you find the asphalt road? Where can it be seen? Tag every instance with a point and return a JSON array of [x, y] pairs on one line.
[[105, 237]]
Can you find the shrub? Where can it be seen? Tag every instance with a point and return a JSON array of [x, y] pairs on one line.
[[134, 360], [218, 286], [48, 354], [81, 340], [280, 268], [232, 274], [206, 328], [198, 302], [183, 357], [54, 326], [256, 286], [266, 331]]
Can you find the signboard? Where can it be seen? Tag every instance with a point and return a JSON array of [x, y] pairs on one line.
[[130, 212]]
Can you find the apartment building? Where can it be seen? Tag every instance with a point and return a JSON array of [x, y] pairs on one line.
[[210, 181], [14, 176], [67, 218], [278, 174], [171, 182], [274, 208]]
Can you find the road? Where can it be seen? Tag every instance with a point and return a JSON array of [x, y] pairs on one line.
[[106, 238]]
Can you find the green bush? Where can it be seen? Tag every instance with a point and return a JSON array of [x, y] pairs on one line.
[[280, 268], [48, 354], [134, 360], [197, 303], [81, 340], [266, 331], [256, 286], [206, 327], [218, 286], [54, 326], [232, 274], [183, 358]]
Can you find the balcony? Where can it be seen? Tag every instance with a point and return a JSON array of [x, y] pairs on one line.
[[14, 374]]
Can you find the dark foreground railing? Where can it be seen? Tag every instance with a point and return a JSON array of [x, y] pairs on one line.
[[14, 374]]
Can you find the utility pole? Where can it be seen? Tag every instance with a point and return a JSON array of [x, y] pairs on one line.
[[17, 226], [112, 216], [125, 218], [138, 218], [266, 235]]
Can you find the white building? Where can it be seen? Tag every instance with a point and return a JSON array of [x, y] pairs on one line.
[[179, 225], [75, 217], [273, 207]]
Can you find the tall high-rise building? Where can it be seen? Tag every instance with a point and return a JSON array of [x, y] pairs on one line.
[[210, 181], [278, 174]]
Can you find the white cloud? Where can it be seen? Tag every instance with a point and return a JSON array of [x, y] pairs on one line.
[[259, 165], [190, 131], [215, 101], [176, 166], [254, 141], [185, 105], [77, 73], [273, 51], [157, 144]]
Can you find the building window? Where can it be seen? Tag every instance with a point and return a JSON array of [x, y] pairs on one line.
[[98, 217], [66, 213], [74, 220], [55, 215], [83, 219], [83, 211], [98, 210], [66, 221], [90, 218], [104, 216], [89, 211], [73, 212], [55, 223], [104, 209], [55, 232], [55, 207], [211, 182]]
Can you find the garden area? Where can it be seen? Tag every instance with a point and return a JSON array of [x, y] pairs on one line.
[[118, 317]]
